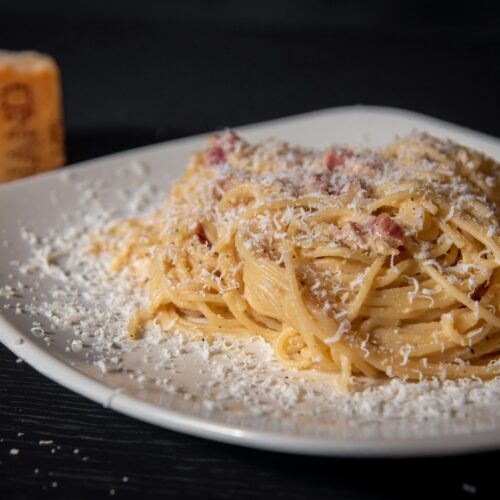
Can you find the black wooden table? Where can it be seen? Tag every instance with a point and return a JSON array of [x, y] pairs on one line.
[[136, 75]]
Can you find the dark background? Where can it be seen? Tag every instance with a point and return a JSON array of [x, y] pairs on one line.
[[139, 72]]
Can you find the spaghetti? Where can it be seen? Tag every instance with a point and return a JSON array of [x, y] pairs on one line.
[[351, 261]]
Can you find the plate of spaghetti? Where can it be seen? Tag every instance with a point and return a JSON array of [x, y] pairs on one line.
[[324, 284]]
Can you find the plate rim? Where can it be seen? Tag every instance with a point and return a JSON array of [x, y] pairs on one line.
[[61, 372]]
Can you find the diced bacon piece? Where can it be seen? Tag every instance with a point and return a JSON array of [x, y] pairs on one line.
[[223, 185], [200, 232], [389, 229], [479, 291], [220, 145], [321, 183], [215, 155], [334, 158]]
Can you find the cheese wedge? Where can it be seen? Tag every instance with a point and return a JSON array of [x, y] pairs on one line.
[[31, 131]]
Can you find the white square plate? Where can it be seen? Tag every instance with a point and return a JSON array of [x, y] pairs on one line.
[[43, 201]]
